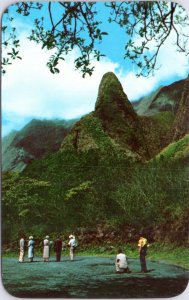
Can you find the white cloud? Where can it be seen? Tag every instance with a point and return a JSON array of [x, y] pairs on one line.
[[173, 66], [29, 90]]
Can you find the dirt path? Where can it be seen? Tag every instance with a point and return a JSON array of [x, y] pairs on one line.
[[88, 277]]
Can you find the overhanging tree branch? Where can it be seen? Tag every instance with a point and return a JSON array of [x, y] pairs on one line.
[[145, 23]]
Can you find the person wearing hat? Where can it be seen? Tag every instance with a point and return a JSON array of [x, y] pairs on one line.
[[31, 244], [142, 248], [46, 245], [71, 244]]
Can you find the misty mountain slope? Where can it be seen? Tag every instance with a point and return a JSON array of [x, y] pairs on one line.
[[141, 106], [165, 116], [7, 140], [163, 99], [37, 138]]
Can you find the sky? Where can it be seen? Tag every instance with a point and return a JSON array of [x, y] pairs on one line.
[[30, 91]]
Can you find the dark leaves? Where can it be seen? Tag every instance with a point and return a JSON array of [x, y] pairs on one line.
[[76, 26], [148, 25]]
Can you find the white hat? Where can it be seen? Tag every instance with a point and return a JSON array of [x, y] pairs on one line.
[[30, 237], [71, 236], [47, 237]]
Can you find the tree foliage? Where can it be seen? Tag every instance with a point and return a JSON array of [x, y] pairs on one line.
[[21, 202], [65, 191], [147, 26]]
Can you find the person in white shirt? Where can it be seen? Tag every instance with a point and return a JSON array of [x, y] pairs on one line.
[[46, 245], [22, 250], [71, 244], [121, 263]]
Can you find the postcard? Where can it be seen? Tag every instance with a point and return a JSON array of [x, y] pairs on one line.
[[95, 149]]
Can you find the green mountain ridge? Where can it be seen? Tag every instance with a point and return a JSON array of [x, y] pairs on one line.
[[176, 150]]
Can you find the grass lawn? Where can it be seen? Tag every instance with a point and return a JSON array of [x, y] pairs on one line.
[[167, 253]]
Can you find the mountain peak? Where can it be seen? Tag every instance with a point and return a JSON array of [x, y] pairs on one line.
[[114, 122], [117, 115], [112, 99]]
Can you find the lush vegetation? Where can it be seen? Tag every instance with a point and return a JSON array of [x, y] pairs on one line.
[[176, 149], [70, 190]]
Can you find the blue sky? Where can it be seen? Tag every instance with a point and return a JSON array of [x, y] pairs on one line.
[[30, 91]]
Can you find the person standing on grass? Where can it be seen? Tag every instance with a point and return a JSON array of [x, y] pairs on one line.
[[72, 245], [58, 248], [22, 249], [31, 244], [46, 245], [121, 263], [142, 248]]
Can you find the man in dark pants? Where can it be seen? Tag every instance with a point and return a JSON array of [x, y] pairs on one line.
[[142, 247], [58, 248]]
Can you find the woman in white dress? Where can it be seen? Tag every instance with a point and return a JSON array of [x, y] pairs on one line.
[[46, 245], [31, 248]]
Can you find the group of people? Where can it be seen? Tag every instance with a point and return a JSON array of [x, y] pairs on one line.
[[121, 262], [47, 245]]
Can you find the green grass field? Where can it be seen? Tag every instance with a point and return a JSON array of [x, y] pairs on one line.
[[168, 253]]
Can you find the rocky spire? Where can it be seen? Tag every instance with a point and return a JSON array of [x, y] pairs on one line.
[[112, 100], [117, 115]]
